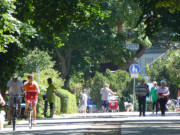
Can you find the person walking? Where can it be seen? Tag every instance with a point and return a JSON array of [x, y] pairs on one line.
[[83, 102], [153, 96], [141, 93], [31, 86], [50, 95], [163, 93], [104, 96], [14, 87]]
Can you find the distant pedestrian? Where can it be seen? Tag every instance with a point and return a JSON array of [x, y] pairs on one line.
[[104, 96], [142, 92], [163, 93], [83, 102], [153, 96], [50, 95]]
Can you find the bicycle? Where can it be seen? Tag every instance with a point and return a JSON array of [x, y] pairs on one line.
[[30, 114], [31, 96], [14, 110]]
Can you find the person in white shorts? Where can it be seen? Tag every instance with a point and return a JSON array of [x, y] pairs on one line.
[[83, 102]]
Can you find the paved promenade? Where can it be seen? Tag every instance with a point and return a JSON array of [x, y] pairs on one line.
[[152, 125], [122, 123]]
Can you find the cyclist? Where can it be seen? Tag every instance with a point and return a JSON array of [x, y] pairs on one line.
[[14, 87], [31, 86]]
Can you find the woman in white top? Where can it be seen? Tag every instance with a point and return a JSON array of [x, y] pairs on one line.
[[163, 93]]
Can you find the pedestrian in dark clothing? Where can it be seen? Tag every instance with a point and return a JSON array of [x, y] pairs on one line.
[[141, 93]]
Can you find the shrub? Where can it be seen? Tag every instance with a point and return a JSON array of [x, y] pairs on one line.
[[98, 82], [68, 101], [76, 88], [75, 84]]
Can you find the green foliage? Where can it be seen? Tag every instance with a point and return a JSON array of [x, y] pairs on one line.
[[149, 105], [75, 84], [120, 82], [54, 17], [12, 30], [173, 66], [58, 105], [36, 58], [43, 60], [68, 101], [97, 83], [9, 64], [167, 69], [155, 13], [172, 6]]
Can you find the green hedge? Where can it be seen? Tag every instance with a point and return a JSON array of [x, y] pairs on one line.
[[67, 102], [58, 105]]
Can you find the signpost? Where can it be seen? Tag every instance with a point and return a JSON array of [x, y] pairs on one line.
[[134, 69]]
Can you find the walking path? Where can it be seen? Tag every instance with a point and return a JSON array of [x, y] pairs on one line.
[[121, 123], [152, 125]]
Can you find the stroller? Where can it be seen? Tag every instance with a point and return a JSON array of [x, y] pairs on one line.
[[113, 104]]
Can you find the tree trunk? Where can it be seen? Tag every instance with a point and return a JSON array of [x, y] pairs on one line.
[[139, 53], [65, 64], [120, 30]]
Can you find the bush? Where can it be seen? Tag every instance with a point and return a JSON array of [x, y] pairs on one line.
[[68, 101], [58, 105], [76, 88], [75, 84], [98, 82]]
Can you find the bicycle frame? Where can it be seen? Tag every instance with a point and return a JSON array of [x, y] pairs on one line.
[[14, 111], [30, 114]]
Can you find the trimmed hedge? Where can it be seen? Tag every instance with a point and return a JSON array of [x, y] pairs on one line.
[[67, 102], [58, 105]]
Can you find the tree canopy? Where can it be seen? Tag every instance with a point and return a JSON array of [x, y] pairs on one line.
[[12, 30], [156, 15]]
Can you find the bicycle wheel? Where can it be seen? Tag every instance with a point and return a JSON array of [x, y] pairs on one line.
[[14, 118], [30, 118]]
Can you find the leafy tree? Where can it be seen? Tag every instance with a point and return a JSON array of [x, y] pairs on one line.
[[173, 66], [9, 64], [13, 35], [156, 16], [12, 30], [100, 42], [171, 5], [161, 70], [36, 59]]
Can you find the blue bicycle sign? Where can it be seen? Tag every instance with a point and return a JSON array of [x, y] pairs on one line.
[[134, 69]]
